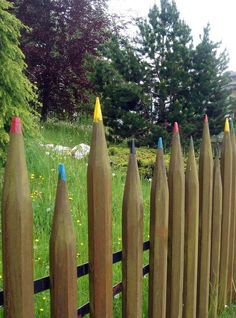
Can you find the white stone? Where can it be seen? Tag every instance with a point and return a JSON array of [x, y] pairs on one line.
[[82, 151], [78, 152], [48, 146]]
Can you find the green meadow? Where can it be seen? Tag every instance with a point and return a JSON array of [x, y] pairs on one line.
[[42, 166]]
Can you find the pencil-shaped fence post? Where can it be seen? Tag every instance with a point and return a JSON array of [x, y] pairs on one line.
[[159, 210], [132, 241], [191, 235], [232, 220], [216, 239], [205, 215], [99, 221], [226, 174], [17, 230], [63, 275], [234, 261], [176, 229]]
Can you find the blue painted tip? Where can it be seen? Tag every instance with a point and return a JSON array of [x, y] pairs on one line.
[[132, 148], [160, 143], [62, 172]]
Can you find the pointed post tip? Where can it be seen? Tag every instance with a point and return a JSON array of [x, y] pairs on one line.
[[15, 125], [61, 172], [226, 129], [191, 142], [206, 119], [231, 121], [132, 148], [97, 111], [160, 143], [176, 128]]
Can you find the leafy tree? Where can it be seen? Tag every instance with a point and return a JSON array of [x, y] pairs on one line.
[[17, 94], [63, 33]]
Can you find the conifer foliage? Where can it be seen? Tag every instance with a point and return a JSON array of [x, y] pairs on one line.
[[162, 77], [17, 94]]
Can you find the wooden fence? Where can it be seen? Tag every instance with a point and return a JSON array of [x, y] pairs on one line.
[[192, 265]]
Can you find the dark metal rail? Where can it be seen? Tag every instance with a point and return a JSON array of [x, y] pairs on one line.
[[43, 283]]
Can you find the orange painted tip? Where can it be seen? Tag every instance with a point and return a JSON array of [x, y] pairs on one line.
[[205, 118], [97, 111], [15, 125], [226, 125], [176, 128]]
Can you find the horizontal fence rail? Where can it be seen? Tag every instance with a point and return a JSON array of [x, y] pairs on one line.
[[43, 284]]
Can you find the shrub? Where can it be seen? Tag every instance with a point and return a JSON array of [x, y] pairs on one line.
[[145, 157]]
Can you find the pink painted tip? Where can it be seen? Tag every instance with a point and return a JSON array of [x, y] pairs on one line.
[[176, 128], [15, 125], [206, 119]]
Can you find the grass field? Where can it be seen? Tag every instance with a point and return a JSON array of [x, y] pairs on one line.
[[42, 166]]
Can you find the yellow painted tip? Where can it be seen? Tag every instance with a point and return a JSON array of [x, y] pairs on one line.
[[226, 125], [97, 111]]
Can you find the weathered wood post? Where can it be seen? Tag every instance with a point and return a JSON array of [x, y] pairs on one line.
[[191, 235], [232, 218], [205, 220], [226, 174], [132, 241], [176, 229], [159, 210], [17, 230], [215, 239], [234, 261], [99, 221], [63, 274]]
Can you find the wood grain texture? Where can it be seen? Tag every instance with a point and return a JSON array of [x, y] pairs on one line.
[[216, 239], [234, 196], [205, 221], [230, 288], [17, 234], [226, 174], [191, 235], [99, 225], [159, 211], [132, 243], [63, 274], [175, 269]]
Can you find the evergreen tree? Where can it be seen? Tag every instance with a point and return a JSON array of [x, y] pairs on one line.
[[165, 44], [116, 76], [209, 93], [162, 78], [17, 94], [184, 82]]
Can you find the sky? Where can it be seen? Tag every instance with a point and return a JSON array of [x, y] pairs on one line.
[[221, 14]]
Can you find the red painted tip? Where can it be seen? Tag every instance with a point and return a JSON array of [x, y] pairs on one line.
[[15, 125], [176, 128], [206, 119]]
